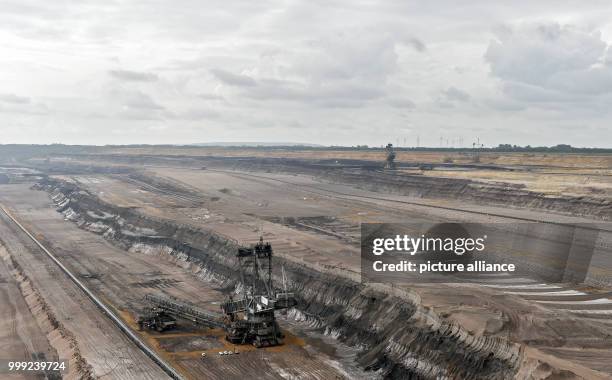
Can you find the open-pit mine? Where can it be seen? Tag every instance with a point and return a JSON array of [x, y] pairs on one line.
[[233, 263]]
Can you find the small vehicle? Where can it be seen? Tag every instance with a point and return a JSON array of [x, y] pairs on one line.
[[156, 319]]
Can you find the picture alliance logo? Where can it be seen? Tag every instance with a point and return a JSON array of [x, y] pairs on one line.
[[412, 246]]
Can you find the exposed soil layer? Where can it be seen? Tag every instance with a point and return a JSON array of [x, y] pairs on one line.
[[368, 175], [490, 193], [396, 335]]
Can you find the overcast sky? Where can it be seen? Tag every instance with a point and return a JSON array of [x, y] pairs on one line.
[[314, 71]]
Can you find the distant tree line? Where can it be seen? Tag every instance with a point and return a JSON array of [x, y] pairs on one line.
[[19, 151], [559, 148]]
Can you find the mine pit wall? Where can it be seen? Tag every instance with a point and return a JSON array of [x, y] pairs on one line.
[[397, 337], [553, 253], [599, 272], [370, 178], [428, 187]]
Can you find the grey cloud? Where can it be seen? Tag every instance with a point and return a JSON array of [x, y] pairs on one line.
[[233, 79], [445, 104], [417, 44], [136, 105], [305, 61], [193, 114], [12, 98], [401, 103], [506, 105], [135, 76], [533, 94], [210, 97], [130, 114], [353, 55], [455, 94], [295, 124], [24, 108], [571, 105], [21, 105], [138, 100], [340, 103], [556, 58], [343, 70], [340, 95]]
